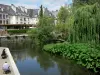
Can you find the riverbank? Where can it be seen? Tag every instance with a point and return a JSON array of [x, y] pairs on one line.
[[14, 37], [14, 69], [32, 60], [84, 54]]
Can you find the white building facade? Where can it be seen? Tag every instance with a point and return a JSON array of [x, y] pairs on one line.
[[17, 15], [20, 15], [3, 16], [10, 14]]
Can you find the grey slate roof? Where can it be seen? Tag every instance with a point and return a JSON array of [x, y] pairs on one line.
[[20, 12], [33, 13], [3, 8], [55, 13], [10, 11], [30, 11], [48, 13], [7, 9]]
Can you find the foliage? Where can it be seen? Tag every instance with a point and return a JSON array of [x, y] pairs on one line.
[[32, 32], [42, 34], [85, 54], [41, 12], [61, 27], [62, 15], [86, 24], [15, 31], [77, 3], [45, 30]]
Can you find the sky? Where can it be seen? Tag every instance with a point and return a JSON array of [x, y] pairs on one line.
[[35, 4]]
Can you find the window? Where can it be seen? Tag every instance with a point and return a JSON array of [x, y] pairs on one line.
[[21, 19], [17, 22], [4, 22], [24, 19], [17, 17], [1, 16], [0, 21], [7, 22], [6, 16]]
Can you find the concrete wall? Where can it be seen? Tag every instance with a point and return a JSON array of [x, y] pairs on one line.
[[14, 38]]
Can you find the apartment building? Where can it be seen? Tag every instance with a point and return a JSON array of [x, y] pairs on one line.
[[3, 15], [18, 15], [10, 14]]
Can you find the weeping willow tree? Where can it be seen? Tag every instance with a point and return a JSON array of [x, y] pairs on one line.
[[84, 2], [86, 25]]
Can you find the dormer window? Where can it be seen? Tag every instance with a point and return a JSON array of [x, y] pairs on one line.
[[1, 9], [35, 15], [50, 14], [13, 7]]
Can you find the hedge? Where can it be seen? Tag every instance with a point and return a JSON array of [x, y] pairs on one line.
[[17, 31]]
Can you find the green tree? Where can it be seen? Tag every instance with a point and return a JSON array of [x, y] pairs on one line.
[[42, 34], [87, 23], [61, 27], [62, 15], [40, 16], [78, 3], [41, 12], [45, 30]]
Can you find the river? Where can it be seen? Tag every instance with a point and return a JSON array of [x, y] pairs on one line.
[[32, 61]]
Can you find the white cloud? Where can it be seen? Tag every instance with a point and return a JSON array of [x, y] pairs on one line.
[[28, 6], [50, 4], [54, 4]]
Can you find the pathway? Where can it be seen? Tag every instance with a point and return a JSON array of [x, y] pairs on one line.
[[14, 70]]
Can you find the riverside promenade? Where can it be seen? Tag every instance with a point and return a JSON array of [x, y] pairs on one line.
[[10, 61]]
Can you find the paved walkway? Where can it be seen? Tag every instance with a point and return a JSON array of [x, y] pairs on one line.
[[14, 70]]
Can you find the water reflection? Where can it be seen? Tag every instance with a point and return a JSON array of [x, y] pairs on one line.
[[32, 61]]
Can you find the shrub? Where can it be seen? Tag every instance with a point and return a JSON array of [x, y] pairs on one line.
[[84, 54], [17, 31]]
